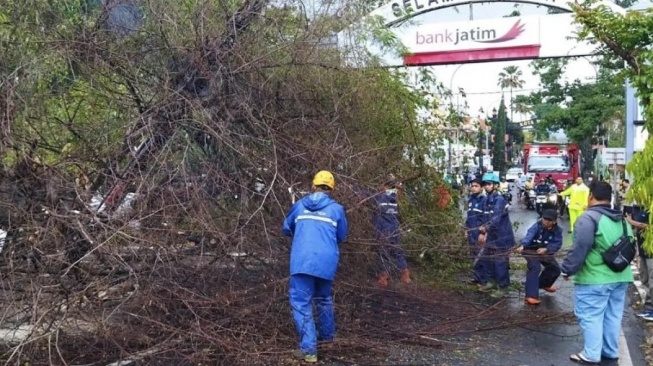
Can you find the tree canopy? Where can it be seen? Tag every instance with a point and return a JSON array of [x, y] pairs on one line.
[[205, 113], [628, 38], [583, 110]]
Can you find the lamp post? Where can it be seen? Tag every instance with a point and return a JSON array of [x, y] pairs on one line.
[[488, 130]]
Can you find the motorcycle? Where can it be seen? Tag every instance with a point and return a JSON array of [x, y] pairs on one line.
[[508, 197], [548, 201], [528, 198], [540, 201]]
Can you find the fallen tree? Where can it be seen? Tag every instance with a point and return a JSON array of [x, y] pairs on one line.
[[186, 123]]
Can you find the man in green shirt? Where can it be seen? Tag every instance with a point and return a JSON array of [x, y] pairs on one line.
[[599, 292]]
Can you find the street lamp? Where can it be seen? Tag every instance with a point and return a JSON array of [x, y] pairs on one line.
[[488, 129]]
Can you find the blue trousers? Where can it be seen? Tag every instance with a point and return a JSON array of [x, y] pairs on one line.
[[535, 277], [304, 291], [389, 251], [497, 265], [599, 309]]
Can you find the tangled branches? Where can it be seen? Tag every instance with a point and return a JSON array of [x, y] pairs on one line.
[[146, 177]]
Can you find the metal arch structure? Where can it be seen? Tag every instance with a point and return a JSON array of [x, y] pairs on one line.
[[480, 40], [398, 11]]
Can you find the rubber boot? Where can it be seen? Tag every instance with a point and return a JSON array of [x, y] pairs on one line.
[[405, 276], [383, 279]]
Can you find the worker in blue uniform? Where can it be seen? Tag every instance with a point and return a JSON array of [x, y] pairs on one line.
[[497, 237], [542, 241], [387, 226], [474, 220], [317, 225]]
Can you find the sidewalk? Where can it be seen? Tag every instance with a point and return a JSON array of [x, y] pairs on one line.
[[638, 298]]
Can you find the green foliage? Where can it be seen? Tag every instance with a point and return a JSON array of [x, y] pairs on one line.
[[586, 112], [628, 37], [511, 77]]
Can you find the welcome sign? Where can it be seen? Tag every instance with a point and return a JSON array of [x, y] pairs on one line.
[[500, 39]]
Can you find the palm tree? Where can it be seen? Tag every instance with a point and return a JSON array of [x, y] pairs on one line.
[[511, 77], [523, 108]]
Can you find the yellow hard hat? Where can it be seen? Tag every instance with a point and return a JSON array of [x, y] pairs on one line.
[[324, 178]]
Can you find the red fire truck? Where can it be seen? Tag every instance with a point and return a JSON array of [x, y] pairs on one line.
[[560, 160]]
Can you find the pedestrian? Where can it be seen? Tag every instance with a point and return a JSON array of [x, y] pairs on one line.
[[578, 195], [497, 237], [387, 227], [317, 225], [623, 191], [474, 220], [639, 220], [599, 292], [541, 243]]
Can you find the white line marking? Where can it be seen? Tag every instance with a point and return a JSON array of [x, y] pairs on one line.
[[624, 352]]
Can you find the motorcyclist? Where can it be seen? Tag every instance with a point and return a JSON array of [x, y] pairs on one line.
[[497, 237], [529, 184], [552, 183], [522, 179], [543, 187], [503, 186]]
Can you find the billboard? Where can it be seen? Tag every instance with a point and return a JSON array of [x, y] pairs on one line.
[[500, 39]]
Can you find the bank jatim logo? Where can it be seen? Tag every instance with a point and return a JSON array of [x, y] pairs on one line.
[[477, 34], [511, 34]]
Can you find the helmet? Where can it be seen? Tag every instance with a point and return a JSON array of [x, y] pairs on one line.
[[490, 177], [324, 178]]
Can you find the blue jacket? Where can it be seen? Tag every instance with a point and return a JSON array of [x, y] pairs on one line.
[[538, 237], [475, 215], [497, 222], [542, 189], [386, 214], [317, 225]]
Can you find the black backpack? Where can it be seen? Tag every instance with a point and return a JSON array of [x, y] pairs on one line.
[[621, 253]]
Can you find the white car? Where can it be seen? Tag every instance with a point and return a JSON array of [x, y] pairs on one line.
[[511, 175]]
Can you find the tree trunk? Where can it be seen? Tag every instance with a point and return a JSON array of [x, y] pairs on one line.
[[511, 120]]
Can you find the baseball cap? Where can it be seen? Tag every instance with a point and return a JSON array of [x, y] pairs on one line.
[[550, 215]]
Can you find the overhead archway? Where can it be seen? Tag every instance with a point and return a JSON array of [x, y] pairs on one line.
[[398, 11], [485, 40]]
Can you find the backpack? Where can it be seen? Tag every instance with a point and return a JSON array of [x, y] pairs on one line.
[[621, 253]]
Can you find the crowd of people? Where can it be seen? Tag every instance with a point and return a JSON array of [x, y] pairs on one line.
[[318, 225]]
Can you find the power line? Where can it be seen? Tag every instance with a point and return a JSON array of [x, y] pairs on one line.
[[498, 92]]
